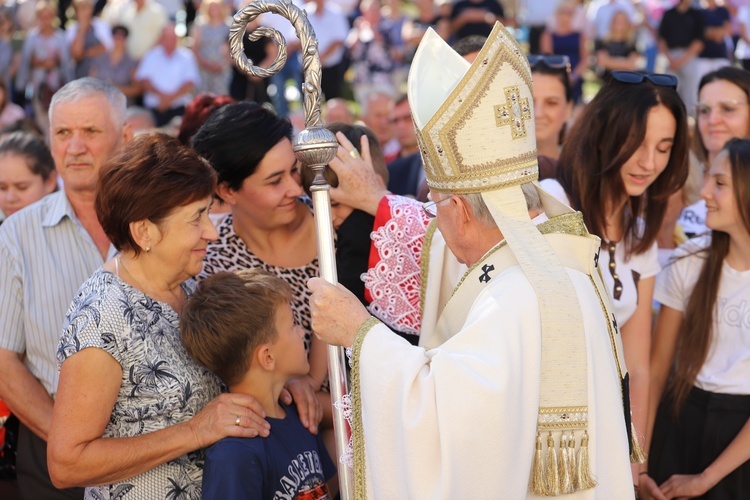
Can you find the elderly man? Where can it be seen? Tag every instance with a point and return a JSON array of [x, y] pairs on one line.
[[168, 73], [517, 386], [46, 252], [377, 109]]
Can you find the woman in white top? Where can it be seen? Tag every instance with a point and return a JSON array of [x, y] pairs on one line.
[[722, 112], [623, 158], [700, 442]]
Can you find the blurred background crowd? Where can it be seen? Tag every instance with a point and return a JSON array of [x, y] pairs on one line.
[[161, 53]]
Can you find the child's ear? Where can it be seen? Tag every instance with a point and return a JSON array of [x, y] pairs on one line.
[[265, 356]]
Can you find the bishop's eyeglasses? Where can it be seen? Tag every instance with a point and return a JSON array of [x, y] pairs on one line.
[[430, 207]]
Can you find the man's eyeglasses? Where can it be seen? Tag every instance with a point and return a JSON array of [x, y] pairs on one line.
[[723, 108], [551, 61], [430, 207], [634, 77]]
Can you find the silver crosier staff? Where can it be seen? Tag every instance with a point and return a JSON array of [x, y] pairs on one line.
[[315, 147]]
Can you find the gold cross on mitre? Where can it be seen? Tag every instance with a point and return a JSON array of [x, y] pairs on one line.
[[513, 112]]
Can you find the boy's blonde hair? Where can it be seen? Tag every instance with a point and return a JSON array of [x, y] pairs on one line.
[[229, 316]]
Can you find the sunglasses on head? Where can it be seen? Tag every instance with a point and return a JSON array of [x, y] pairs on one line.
[[551, 61], [634, 77]]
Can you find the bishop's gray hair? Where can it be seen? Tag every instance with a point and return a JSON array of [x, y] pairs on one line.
[[482, 213]]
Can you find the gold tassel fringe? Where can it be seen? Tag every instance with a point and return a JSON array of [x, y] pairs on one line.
[[537, 470], [637, 456], [562, 471], [551, 468], [583, 479], [572, 460], [563, 466]]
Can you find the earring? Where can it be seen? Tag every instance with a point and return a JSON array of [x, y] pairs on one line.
[[148, 249]]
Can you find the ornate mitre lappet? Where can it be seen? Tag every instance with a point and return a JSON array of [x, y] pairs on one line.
[[476, 135]]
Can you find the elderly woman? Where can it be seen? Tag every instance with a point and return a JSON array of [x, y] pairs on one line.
[[133, 410]]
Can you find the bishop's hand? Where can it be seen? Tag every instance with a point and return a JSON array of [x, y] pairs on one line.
[[359, 186], [336, 312]]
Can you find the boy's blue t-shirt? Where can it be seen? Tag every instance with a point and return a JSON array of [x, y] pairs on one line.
[[291, 463]]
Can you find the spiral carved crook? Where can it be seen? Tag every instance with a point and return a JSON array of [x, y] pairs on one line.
[[311, 66]]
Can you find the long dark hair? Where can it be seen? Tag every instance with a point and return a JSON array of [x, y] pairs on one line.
[[697, 325], [610, 130]]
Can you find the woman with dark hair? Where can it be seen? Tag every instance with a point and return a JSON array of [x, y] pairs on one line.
[[27, 171], [133, 411], [722, 112], [553, 102], [623, 158], [269, 226], [700, 443]]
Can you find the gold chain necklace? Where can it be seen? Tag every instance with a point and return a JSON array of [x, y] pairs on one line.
[[118, 263]]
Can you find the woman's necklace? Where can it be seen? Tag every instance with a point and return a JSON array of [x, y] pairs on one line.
[[118, 263], [176, 298]]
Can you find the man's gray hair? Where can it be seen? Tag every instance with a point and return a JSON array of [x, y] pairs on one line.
[[88, 87], [482, 213], [370, 97]]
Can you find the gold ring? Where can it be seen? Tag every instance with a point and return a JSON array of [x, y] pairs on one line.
[[354, 153], [237, 422]]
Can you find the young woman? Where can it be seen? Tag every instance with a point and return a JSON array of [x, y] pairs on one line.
[[700, 442], [617, 51], [553, 102], [269, 226], [27, 171], [621, 161], [722, 112]]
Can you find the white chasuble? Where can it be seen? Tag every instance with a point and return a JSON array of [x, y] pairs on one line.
[[459, 420]]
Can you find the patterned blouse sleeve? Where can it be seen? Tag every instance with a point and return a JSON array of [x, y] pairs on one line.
[[98, 317]]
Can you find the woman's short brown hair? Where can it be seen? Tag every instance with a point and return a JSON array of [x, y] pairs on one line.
[[249, 297], [149, 178]]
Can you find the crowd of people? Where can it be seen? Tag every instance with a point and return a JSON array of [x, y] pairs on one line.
[[164, 336]]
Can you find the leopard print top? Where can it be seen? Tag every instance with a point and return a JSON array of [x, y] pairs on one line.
[[229, 253]]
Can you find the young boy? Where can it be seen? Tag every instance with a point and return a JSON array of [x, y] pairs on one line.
[[240, 326]]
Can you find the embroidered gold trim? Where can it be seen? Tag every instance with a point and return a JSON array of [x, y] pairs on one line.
[[445, 166], [571, 223], [425, 264], [514, 112], [358, 436], [562, 418], [526, 169], [612, 340]]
